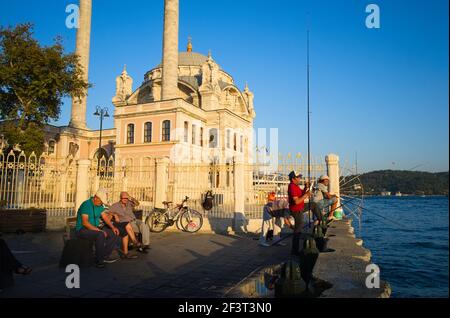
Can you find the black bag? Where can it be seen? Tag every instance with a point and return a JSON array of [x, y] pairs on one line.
[[319, 238], [208, 202], [308, 258]]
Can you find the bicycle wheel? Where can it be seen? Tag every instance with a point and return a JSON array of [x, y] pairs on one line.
[[191, 220], [157, 222]]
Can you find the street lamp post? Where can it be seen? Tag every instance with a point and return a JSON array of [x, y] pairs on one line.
[[102, 113]]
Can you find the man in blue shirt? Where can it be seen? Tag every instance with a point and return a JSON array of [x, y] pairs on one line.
[[88, 227]]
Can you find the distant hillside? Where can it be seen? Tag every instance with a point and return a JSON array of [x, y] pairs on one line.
[[407, 182]]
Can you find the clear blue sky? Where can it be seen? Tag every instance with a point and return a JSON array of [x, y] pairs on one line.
[[382, 93]]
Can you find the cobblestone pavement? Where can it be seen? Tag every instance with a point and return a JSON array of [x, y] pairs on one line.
[[177, 265]]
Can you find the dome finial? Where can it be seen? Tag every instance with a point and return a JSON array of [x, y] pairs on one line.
[[124, 69], [189, 46]]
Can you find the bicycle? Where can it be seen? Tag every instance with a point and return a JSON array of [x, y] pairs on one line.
[[190, 220]]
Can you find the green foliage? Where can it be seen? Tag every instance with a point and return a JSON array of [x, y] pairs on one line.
[[407, 182], [33, 82], [30, 139]]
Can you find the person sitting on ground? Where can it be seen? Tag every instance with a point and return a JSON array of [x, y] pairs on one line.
[[87, 227], [273, 212], [124, 212], [297, 207], [9, 264], [267, 225], [324, 199]]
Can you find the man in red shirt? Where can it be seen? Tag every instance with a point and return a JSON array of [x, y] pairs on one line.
[[297, 206]]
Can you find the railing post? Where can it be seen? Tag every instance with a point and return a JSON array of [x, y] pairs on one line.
[[240, 221], [82, 192], [161, 183], [332, 161]]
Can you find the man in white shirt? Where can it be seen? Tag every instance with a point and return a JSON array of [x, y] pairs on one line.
[[323, 198]]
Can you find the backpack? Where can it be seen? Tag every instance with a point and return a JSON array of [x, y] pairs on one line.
[[290, 283], [319, 238], [308, 258], [208, 201]]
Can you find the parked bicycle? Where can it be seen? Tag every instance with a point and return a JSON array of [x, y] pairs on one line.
[[182, 215]]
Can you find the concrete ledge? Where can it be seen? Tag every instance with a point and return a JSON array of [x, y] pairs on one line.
[[345, 268]]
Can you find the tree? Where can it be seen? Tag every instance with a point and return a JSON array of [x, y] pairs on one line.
[[33, 81]]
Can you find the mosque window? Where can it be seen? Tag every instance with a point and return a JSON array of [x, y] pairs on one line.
[[228, 139], [235, 142], [166, 130], [213, 138], [241, 143], [194, 132], [186, 131], [130, 134], [148, 132], [51, 147], [201, 136]]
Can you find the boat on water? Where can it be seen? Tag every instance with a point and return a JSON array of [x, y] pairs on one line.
[[385, 193], [398, 194]]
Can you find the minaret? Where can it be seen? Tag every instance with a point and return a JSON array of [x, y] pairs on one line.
[[170, 50], [78, 117]]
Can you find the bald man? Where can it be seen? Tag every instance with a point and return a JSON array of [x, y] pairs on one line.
[[123, 210]]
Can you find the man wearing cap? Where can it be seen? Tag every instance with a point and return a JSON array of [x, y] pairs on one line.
[[123, 211], [87, 227], [297, 206], [323, 198]]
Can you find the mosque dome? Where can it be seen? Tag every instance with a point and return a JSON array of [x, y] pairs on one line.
[[189, 59]]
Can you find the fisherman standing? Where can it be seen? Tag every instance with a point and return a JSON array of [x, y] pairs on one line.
[[297, 206]]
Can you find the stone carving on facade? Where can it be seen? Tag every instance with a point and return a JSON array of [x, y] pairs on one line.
[[124, 86], [210, 76], [248, 95]]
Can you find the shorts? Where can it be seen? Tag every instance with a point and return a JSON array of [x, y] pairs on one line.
[[121, 227], [325, 203]]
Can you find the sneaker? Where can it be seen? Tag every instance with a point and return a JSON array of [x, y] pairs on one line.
[[128, 256], [110, 260], [282, 243], [142, 250], [265, 244], [100, 264]]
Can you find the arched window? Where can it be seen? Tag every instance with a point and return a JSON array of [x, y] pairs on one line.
[[130, 134], [194, 132], [186, 131], [148, 132], [201, 136], [241, 143], [213, 138], [51, 147], [166, 130]]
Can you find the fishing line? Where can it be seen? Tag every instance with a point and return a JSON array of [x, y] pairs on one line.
[[379, 215]]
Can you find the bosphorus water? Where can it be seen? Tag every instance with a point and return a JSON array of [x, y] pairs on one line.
[[412, 256]]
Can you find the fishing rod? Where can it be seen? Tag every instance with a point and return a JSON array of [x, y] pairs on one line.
[[308, 110], [379, 215], [309, 223]]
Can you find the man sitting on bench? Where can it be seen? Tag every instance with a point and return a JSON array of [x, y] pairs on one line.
[[88, 221], [123, 212]]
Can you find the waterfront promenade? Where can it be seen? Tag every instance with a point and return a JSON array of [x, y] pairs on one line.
[[187, 266]]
